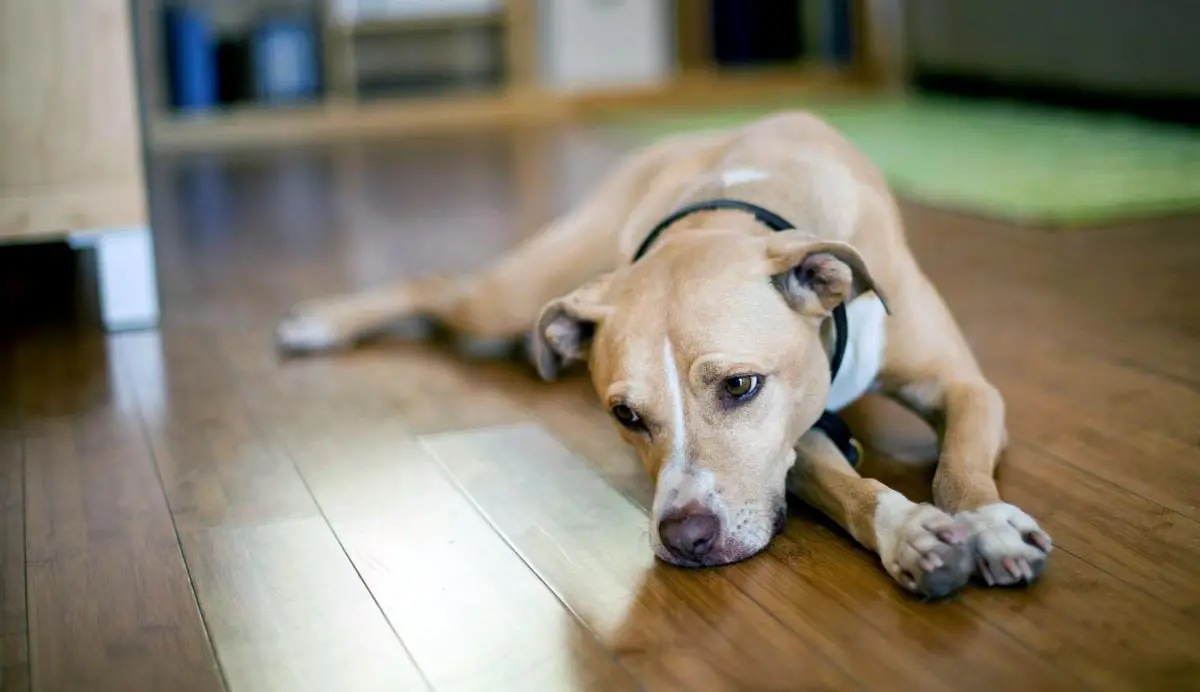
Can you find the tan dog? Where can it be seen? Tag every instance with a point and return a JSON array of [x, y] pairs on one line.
[[713, 350]]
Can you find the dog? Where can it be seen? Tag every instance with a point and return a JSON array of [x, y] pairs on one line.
[[708, 284]]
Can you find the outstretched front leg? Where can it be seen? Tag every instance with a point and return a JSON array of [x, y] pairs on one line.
[[968, 414], [923, 548], [931, 370]]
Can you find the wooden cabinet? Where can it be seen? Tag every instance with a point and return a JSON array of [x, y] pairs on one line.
[[71, 155]]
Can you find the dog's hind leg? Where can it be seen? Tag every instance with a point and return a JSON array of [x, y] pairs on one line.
[[503, 301], [923, 548], [499, 303], [339, 321]]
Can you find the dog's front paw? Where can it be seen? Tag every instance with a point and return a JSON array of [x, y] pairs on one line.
[[1010, 548], [924, 549], [308, 329]]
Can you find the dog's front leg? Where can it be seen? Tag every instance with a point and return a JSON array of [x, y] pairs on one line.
[[968, 414], [924, 549]]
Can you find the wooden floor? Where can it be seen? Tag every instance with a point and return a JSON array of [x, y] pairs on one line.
[[184, 511]]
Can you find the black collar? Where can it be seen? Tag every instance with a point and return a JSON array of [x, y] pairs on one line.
[[829, 422]]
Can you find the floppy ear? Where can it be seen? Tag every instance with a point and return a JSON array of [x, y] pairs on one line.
[[566, 326], [817, 276]]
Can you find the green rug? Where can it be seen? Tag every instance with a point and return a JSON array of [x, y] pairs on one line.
[[1024, 163]]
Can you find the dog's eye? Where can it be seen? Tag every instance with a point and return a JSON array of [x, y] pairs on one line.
[[626, 416], [742, 387]]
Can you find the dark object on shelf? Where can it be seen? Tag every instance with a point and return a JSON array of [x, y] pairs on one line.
[[750, 32], [836, 31], [235, 72]]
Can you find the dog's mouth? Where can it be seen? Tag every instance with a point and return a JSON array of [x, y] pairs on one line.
[[718, 558], [727, 552], [781, 516]]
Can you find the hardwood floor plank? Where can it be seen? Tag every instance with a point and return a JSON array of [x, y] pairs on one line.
[[1146, 545], [14, 662], [1102, 597], [1085, 622], [1142, 460], [110, 604], [14, 642], [288, 612], [1098, 629], [447, 582], [1131, 428], [1035, 285], [12, 533], [672, 628], [285, 608], [1092, 386], [1108, 606]]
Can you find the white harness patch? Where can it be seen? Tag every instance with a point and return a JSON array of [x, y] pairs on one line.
[[865, 318]]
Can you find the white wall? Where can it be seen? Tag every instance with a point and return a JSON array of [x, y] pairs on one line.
[[605, 43]]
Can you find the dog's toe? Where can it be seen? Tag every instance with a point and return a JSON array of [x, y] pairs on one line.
[[931, 554], [302, 332], [1010, 548]]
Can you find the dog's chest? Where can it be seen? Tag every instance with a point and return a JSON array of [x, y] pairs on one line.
[[865, 346]]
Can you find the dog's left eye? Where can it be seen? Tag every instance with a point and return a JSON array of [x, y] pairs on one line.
[[627, 416], [742, 387]]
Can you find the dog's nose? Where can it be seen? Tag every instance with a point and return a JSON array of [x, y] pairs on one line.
[[689, 533]]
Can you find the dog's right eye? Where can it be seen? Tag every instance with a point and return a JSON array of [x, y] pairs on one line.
[[627, 417]]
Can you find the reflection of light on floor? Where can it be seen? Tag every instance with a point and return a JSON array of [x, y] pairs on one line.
[[135, 365], [586, 542]]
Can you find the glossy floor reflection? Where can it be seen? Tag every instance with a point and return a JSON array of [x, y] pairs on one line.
[[183, 510]]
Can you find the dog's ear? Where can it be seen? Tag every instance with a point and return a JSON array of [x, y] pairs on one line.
[[566, 326], [817, 276]]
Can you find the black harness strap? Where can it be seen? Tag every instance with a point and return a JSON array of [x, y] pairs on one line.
[[770, 219], [829, 423]]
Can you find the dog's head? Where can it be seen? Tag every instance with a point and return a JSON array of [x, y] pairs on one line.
[[709, 355]]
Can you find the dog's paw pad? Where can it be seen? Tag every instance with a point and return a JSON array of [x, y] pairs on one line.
[[929, 552], [1010, 548], [302, 332]]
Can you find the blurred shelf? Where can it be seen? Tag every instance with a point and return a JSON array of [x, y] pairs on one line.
[[496, 74], [709, 86], [386, 26], [255, 125]]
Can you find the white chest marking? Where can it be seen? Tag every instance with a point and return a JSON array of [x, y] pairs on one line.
[[865, 318], [675, 390], [737, 176]]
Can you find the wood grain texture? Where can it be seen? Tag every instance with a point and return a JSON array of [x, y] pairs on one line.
[[72, 155], [446, 581], [405, 517], [14, 641], [285, 609], [110, 603]]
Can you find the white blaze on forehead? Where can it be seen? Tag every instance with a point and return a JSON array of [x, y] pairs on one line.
[[675, 393]]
